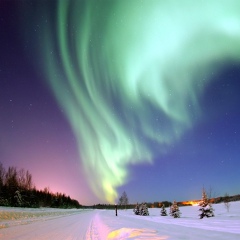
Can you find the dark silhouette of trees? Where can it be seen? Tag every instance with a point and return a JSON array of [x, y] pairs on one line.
[[17, 190]]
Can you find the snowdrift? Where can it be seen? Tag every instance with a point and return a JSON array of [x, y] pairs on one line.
[[45, 223]]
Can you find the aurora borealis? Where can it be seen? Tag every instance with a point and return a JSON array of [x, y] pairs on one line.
[[136, 79]]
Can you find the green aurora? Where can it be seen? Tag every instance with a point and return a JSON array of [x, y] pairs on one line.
[[129, 74]]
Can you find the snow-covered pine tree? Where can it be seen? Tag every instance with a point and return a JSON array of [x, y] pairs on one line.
[[18, 198], [174, 210], [206, 207], [136, 210], [144, 210], [163, 211]]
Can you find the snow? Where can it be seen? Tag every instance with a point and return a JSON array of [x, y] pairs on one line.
[[47, 223]]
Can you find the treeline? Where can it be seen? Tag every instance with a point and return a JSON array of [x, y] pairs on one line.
[[226, 198], [131, 206], [165, 203], [17, 190], [111, 206]]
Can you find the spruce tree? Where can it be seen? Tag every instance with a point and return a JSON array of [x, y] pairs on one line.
[[136, 210], [163, 211], [174, 210], [206, 207], [144, 210]]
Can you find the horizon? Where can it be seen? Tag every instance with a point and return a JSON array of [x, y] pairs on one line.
[[210, 192]]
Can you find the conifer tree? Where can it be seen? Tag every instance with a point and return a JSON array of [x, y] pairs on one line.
[[136, 210], [144, 210], [18, 198], [163, 211], [206, 207], [174, 210]]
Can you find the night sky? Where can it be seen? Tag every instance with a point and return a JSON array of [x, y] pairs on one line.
[[101, 97]]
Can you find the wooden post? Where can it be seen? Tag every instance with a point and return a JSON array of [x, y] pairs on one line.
[[116, 209]]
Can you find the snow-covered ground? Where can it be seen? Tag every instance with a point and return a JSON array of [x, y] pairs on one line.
[[44, 223]]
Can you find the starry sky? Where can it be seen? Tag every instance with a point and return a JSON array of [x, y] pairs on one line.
[[142, 96]]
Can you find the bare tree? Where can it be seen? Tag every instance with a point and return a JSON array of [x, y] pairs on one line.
[[2, 175], [227, 201], [46, 190], [29, 183], [211, 194], [21, 179], [24, 180], [123, 200], [11, 178]]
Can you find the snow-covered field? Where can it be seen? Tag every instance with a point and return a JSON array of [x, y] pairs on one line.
[[44, 223]]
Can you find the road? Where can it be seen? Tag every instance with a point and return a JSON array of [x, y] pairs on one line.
[[70, 227]]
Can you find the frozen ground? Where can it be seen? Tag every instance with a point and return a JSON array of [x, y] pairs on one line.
[[39, 224]]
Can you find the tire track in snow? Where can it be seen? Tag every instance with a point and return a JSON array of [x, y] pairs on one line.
[[97, 230]]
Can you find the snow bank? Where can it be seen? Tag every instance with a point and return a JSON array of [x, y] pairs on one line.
[[16, 216], [39, 224], [225, 225]]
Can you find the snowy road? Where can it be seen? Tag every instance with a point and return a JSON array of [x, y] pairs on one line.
[[55, 224], [72, 226]]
